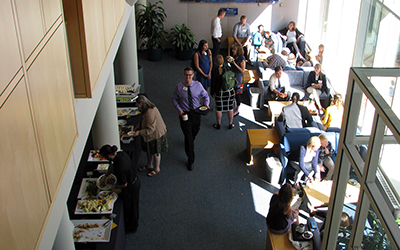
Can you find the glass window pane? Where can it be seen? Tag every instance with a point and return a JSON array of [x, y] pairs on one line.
[[386, 87], [374, 234], [366, 117]]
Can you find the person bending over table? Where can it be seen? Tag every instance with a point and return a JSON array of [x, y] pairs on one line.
[[154, 133], [281, 215], [279, 85], [127, 181], [305, 161]]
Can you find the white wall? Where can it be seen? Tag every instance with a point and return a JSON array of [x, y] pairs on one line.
[[198, 16]]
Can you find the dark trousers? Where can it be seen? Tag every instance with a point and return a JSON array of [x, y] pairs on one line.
[[131, 206], [190, 128], [216, 47]]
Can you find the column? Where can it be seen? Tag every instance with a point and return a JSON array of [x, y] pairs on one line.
[[105, 125], [126, 61]]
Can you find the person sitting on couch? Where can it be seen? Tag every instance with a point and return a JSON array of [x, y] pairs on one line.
[[294, 39], [277, 59], [295, 115], [279, 85], [316, 85]]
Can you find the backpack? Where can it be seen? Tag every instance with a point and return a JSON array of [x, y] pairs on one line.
[[228, 79]]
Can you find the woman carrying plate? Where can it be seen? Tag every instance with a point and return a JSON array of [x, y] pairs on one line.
[[154, 132], [127, 181]]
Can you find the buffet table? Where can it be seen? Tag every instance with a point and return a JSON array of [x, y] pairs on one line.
[[117, 237]]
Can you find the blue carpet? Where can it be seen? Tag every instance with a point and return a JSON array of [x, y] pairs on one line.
[[211, 207]]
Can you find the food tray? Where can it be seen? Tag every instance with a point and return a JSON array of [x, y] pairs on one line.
[[84, 184], [78, 210], [127, 90], [128, 111], [95, 159], [125, 98], [95, 234], [108, 185]]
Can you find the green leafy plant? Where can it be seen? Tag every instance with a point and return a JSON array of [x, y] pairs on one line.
[[183, 37], [375, 237], [150, 21]]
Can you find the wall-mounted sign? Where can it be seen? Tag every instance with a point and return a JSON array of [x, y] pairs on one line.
[[231, 11]]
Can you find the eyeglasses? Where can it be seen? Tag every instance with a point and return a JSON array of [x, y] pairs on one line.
[[188, 74]]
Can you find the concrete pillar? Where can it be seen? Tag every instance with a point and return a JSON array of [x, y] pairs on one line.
[[64, 240], [105, 125], [126, 61]]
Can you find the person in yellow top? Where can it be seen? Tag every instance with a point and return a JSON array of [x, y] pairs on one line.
[[334, 113]]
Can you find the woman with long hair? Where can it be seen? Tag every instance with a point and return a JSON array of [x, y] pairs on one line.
[[334, 113], [281, 215], [224, 99], [294, 39], [238, 66], [305, 161], [154, 132], [202, 60]]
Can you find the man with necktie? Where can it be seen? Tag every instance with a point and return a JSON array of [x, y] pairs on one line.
[[279, 85], [186, 100]]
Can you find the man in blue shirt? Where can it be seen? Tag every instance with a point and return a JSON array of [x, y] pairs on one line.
[[242, 35], [186, 100]]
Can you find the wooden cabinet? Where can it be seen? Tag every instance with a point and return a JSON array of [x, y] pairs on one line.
[[10, 61], [91, 28], [38, 126], [24, 194], [53, 107]]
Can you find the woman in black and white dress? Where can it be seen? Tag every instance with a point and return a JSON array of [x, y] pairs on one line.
[[224, 99]]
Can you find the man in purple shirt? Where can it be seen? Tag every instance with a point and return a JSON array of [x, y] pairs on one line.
[[186, 100]]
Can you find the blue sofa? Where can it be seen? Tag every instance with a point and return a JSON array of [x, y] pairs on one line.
[[293, 140], [298, 80]]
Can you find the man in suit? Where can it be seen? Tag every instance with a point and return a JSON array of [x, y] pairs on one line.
[[295, 115], [279, 85]]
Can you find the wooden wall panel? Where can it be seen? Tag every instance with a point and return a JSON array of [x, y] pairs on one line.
[[52, 99], [51, 11], [10, 61], [30, 24], [109, 22], [22, 187], [94, 33]]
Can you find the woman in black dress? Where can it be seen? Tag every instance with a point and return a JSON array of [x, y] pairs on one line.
[[127, 181]]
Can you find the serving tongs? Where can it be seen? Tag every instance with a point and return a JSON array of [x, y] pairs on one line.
[[112, 216]]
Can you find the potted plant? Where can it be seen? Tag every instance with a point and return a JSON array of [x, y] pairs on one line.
[[183, 41], [150, 21]]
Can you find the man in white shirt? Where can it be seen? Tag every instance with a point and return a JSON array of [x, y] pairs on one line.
[[242, 35], [216, 32], [279, 85]]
